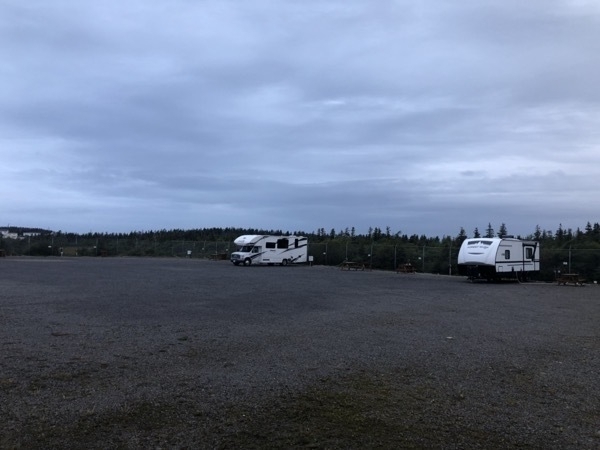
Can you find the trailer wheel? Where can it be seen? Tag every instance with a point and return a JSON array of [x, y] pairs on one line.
[[247, 261], [284, 262]]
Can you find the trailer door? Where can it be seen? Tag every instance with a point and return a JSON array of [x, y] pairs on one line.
[[530, 257]]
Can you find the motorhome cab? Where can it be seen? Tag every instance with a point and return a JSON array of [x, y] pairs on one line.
[[264, 249], [495, 258]]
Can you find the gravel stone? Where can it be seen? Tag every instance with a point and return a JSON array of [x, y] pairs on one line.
[[188, 353]]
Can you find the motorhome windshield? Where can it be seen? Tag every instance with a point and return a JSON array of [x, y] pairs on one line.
[[246, 249]]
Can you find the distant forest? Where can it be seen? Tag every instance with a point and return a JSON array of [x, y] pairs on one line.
[[563, 249]]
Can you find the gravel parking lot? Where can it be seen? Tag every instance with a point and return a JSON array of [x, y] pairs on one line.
[[176, 353]]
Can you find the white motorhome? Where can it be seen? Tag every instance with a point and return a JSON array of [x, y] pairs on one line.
[[495, 258], [266, 249]]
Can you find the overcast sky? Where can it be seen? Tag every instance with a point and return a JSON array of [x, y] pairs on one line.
[[426, 117]]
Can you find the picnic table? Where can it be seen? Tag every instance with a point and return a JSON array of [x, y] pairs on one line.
[[350, 265], [406, 268], [568, 278]]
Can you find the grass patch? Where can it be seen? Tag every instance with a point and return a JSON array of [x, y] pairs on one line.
[[400, 409]]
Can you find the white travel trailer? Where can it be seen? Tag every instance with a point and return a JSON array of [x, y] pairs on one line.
[[496, 258], [265, 249]]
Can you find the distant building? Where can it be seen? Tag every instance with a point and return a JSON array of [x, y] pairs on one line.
[[7, 234]]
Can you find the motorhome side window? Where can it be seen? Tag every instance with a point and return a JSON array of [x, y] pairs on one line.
[[506, 254], [270, 245], [529, 253], [282, 243]]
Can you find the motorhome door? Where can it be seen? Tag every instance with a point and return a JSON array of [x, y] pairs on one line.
[[256, 254]]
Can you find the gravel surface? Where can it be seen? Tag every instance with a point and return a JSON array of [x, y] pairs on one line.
[[186, 353]]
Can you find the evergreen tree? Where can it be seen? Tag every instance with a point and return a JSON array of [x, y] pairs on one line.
[[476, 233], [569, 234], [376, 233], [490, 231], [560, 233], [502, 232], [462, 235]]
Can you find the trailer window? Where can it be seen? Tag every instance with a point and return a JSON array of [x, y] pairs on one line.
[[529, 253], [270, 245], [480, 242], [506, 254], [282, 243]]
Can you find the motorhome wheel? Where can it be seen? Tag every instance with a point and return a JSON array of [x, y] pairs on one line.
[[247, 261], [284, 262]]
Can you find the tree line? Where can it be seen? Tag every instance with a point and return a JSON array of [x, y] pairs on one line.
[[591, 232], [384, 248]]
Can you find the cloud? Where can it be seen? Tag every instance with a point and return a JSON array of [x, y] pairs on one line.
[[422, 117]]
